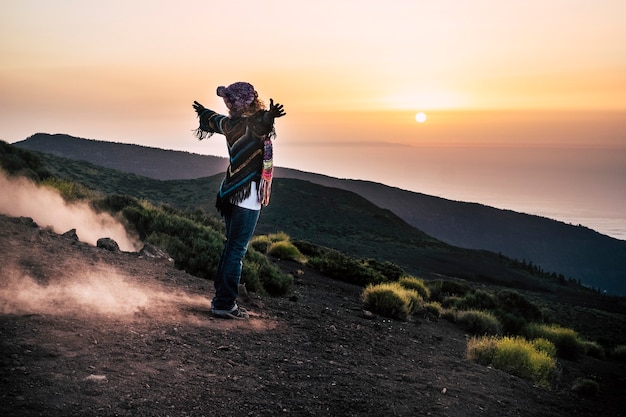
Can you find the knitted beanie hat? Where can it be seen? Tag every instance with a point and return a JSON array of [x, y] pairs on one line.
[[237, 96]]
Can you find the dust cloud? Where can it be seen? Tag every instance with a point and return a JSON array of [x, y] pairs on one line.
[[99, 290], [22, 197]]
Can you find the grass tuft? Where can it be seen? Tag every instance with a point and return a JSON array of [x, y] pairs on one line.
[[586, 387], [416, 284], [568, 344], [286, 250], [391, 300], [479, 322], [514, 355]]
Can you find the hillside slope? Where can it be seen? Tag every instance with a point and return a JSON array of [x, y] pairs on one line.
[[141, 160], [88, 332], [325, 216], [577, 252]]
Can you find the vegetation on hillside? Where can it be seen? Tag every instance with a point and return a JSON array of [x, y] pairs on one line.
[[356, 227]]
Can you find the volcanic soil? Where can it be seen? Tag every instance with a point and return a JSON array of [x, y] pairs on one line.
[[89, 332]]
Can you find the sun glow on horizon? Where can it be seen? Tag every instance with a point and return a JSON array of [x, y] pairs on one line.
[[420, 117]]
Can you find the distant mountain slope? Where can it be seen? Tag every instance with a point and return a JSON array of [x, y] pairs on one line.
[[141, 160], [574, 251]]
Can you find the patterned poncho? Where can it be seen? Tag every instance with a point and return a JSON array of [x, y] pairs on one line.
[[248, 139]]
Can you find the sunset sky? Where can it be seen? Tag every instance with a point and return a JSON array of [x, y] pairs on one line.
[[539, 74], [128, 70]]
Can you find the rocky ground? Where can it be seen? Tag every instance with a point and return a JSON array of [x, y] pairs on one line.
[[89, 332]]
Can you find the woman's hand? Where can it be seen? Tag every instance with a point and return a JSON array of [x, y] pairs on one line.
[[276, 110], [199, 108]]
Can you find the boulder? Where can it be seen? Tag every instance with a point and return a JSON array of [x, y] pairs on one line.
[[71, 235], [151, 251], [108, 244]]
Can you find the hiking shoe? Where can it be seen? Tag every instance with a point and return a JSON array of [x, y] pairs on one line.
[[236, 312]]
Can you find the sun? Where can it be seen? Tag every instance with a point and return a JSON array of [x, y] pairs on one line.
[[420, 117]]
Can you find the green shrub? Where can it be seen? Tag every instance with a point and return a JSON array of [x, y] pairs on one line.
[[336, 265], [512, 324], [415, 300], [70, 191], [251, 270], [440, 289], [448, 315], [195, 241], [482, 349], [389, 270], [309, 249], [285, 250], [16, 162], [432, 309], [116, 202], [278, 237], [619, 353], [201, 217], [476, 300], [391, 300], [567, 343], [258, 272], [516, 304], [586, 387], [416, 285], [593, 349], [544, 345], [260, 243], [479, 322], [515, 311], [451, 301]]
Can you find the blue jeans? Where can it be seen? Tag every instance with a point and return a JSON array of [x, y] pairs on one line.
[[240, 224]]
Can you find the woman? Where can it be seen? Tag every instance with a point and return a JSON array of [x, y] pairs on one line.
[[245, 189]]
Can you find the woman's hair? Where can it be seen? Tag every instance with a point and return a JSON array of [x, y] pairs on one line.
[[254, 107]]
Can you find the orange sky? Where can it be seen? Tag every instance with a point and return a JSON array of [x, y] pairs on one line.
[[128, 71]]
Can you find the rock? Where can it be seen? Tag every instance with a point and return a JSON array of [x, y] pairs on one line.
[[28, 221], [71, 235], [108, 244], [368, 315], [96, 378], [151, 251]]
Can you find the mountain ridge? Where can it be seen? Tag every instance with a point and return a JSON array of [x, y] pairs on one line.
[[575, 251]]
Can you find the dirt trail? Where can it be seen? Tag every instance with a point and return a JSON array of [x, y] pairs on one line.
[[87, 332]]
